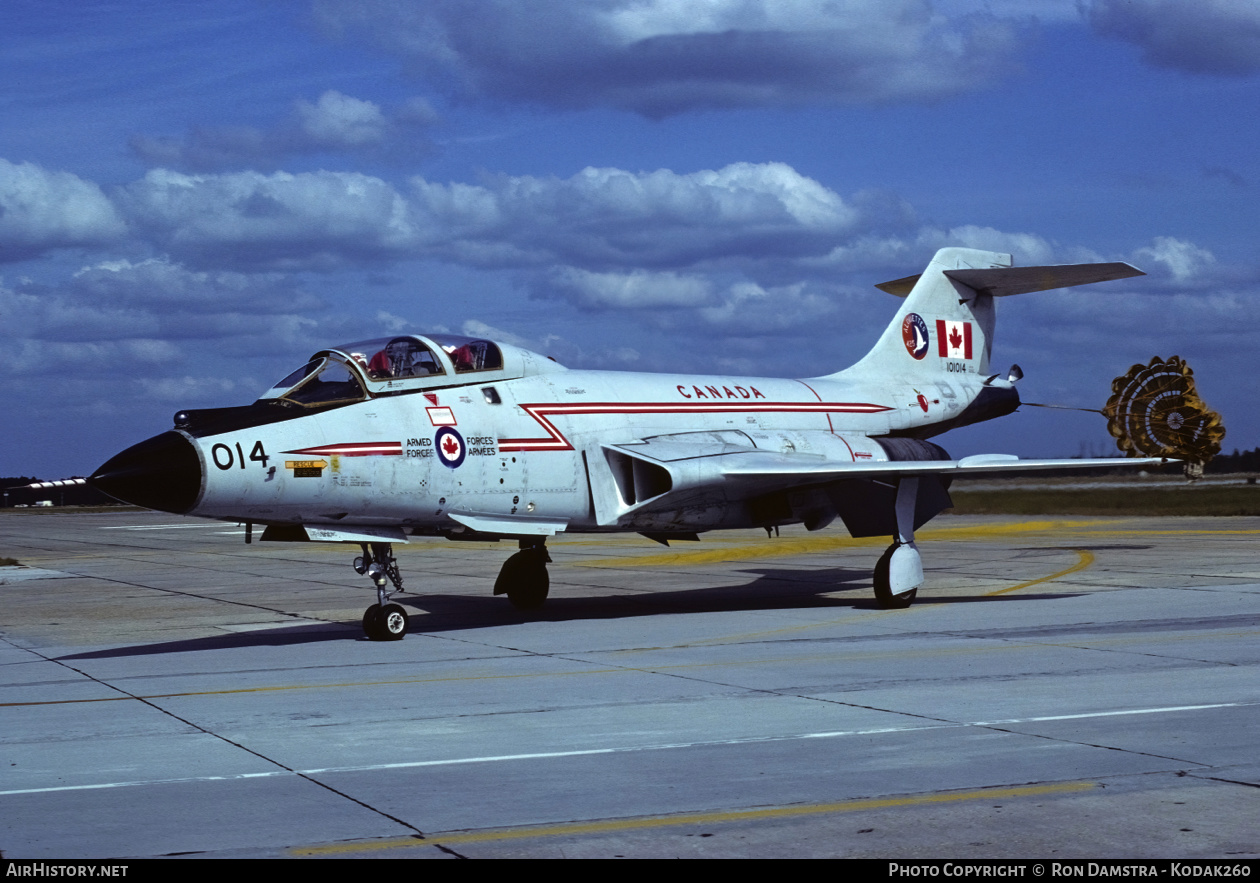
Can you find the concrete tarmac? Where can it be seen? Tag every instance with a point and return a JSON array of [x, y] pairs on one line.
[[1062, 688]]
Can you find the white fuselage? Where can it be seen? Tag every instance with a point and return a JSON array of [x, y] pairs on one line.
[[412, 460]]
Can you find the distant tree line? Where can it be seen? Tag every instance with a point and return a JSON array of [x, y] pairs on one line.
[[1239, 461]]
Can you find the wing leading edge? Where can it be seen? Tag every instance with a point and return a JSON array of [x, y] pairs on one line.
[[763, 465]]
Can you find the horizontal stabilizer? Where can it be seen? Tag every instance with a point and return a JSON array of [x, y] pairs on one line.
[[900, 287], [1005, 281]]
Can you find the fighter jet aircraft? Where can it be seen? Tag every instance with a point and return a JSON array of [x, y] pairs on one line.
[[426, 435]]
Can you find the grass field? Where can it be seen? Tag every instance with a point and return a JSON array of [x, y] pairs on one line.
[[1187, 500]]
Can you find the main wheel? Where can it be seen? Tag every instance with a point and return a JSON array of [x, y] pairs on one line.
[[524, 579], [884, 595]]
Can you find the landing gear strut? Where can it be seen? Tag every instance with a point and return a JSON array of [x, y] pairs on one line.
[[899, 572], [382, 621], [524, 576]]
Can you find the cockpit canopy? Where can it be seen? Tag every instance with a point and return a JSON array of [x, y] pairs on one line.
[[396, 365]]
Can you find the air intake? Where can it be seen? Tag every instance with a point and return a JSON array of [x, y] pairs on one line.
[[637, 480]]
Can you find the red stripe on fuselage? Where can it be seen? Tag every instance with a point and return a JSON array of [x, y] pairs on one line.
[[354, 449], [555, 440]]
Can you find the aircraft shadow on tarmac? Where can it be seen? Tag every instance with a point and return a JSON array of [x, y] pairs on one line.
[[1085, 547], [773, 589]]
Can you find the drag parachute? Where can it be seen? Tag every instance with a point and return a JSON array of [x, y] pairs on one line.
[[1155, 410]]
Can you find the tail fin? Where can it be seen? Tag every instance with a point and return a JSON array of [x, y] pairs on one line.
[[946, 324]]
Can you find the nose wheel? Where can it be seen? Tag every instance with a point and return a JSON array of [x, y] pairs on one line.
[[383, 621]]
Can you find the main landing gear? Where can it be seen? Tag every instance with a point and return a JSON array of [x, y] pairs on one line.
[[382, 621], [524, 576], [899, 571], [898, 575]]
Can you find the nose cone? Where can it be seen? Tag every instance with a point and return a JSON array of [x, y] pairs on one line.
[[163, 472]]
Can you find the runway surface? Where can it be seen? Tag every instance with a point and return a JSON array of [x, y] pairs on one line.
[[1062, 688]]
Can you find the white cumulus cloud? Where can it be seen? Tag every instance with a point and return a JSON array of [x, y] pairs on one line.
[[660, 57], [598, 219], [333, 123], [604, 218], [638, 289], [42, 210], [338, 120], [1182, 261], [1200, 36], [277, 221]]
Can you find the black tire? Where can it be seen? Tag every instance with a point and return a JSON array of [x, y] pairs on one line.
[[884, 596], [372, 625], [524, 579]]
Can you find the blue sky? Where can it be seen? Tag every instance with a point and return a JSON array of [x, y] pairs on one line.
[[194, 197]]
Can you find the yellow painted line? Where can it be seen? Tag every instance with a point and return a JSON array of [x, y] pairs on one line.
[[1086, 558], [283, 688], [1146, 639], [864, 616], [862, 656], [754, 550], [617, 670], [842, 657], [733, 548], [1187, 532], [650, 669], [579, 829], [757, 549], [784, 548]]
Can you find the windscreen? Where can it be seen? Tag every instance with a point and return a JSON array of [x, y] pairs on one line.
[[333, 382]]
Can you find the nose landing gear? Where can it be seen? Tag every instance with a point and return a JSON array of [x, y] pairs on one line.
[[382, 621]]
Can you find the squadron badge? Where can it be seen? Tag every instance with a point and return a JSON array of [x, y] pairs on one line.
[[914, 333]]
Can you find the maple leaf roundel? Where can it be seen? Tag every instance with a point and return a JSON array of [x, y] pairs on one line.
[[450, 447]]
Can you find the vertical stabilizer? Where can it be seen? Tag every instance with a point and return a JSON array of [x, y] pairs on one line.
[[944, 327]]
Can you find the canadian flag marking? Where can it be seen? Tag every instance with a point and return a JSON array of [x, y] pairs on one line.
[[954, 339]]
